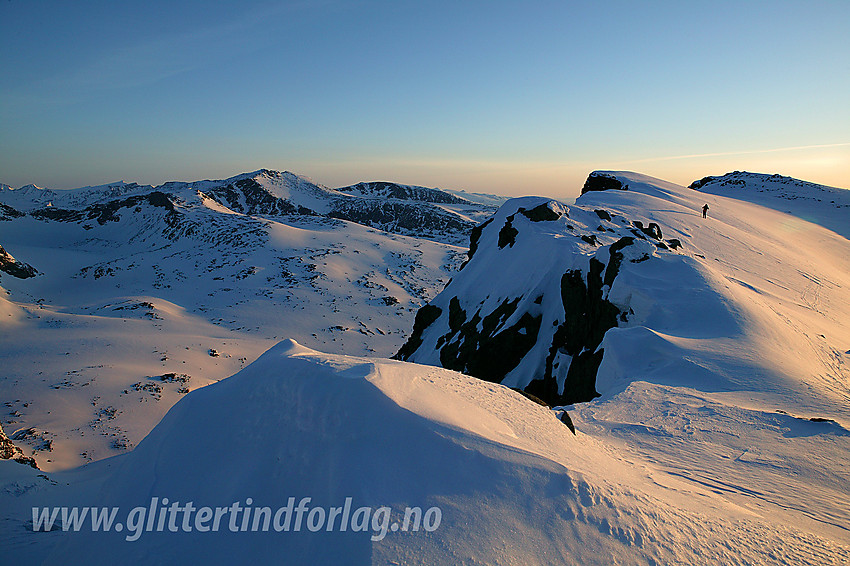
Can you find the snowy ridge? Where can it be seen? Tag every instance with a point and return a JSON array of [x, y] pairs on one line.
[[638, 260], [503, 470], [827, 206], [726, 359]]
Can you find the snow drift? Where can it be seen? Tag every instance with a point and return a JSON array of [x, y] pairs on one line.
[[513, 484]]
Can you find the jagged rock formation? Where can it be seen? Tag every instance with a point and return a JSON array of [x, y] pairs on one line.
[[8, 213], [15, 268], [8, 451], [532, 305], [599, 181]]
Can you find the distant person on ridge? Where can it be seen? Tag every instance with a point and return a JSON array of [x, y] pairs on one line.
[[704, 210]]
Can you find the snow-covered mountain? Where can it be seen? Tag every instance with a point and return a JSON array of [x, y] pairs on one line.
[[717, 348], [703, 363], [546, 282], [136, 294], [403, 209]]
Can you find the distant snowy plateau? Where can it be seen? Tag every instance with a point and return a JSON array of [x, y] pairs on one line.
[[615, 381]]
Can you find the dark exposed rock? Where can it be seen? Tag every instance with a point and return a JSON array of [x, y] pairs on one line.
[[8, 451], [106, 212], [425, 317], [15, 268], [7, 212], [701, 183], [565, 418], [540, 213], [674, 243], [457, 316], [531, 397], [383, 189], [172, 377], [616, 258], [727, 179], [821, 420], [492, 352], [393, 216], [597, 181], [653, 230], [590, 239], [603, 214], [475, 236], [508, 234]]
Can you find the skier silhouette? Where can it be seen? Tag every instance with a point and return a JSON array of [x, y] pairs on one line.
[[704, 210]]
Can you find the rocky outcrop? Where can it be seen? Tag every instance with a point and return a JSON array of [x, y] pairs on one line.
[[106, 212], [8, 213], [9, 451], [531, 307], [15, 268], [598, 181]]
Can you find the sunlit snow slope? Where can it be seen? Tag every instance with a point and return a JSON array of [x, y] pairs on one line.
[[513, 484], [726, 357]]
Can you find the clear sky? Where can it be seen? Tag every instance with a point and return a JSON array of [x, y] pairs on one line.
[[521, 97]]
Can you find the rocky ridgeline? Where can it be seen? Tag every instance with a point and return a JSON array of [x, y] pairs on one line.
[[401, 209], [531, 306], [15, 268]]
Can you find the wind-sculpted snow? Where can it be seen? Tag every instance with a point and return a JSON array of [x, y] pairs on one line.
[[510, 481]]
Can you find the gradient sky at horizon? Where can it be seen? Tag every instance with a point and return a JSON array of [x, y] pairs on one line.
[[504, 97]]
